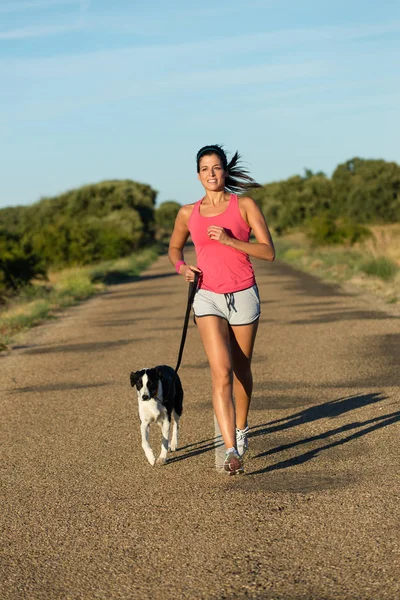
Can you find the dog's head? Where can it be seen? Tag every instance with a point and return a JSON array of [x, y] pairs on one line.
[[147, 383]]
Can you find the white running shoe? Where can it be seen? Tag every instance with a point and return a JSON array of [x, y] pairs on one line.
[[233, 463], [242, 442]]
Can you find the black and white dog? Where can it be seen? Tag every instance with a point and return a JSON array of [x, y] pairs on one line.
[[160, 395]]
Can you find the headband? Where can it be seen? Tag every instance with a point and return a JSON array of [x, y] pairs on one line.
[[220, 153]]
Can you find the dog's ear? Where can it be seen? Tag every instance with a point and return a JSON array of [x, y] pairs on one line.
[[134, 378], [159, 373]]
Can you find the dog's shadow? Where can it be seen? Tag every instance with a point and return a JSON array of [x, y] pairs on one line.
[[328, 410], [195, 449]]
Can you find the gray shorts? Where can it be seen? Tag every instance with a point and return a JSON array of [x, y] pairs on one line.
[[238, 308]]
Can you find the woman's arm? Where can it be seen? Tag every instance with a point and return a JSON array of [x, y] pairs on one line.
[[178, 240], [263, 248]]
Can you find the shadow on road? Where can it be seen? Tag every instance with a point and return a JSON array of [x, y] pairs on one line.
[[379, 422], [331, 409], [323, 411], [197, 448], [84, 347], [56, 387], [334, 408], [343, 315], [307, 284], [119, 277]]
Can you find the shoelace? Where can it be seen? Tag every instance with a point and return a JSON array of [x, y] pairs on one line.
[[241, 434]]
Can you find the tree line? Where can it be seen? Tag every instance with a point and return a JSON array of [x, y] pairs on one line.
[[112, 219], [360, 192], [96, 222]]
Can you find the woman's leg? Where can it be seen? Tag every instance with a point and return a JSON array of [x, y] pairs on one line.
[[242, 343], [215, 336]]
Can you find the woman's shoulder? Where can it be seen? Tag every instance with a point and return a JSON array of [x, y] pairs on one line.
[[186, 210], [246, 201], [184, 213], [247, 206]]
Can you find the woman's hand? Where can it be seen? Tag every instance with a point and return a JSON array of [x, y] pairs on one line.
[[218, 234], [187, 271]]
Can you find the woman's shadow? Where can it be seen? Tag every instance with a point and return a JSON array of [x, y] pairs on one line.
[[332, 409], [327, 410]]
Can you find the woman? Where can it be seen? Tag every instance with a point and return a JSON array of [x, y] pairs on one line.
[[226, 305]]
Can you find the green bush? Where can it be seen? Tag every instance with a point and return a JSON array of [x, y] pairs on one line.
[[18, 264], [324, 230], [96, 222], [287, 204], [360, 190], [293, 254], [381, 267], [165, 218], [367, 191], [354, 232]]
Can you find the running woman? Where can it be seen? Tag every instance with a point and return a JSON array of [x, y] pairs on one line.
[[227, 304]]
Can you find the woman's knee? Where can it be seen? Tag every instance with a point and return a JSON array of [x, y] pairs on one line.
[[244, 374], [222, 376]]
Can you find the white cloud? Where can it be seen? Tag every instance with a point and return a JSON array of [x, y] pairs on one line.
[[248, 43], [104, 87], [171, 56], [112, 75], [251, 75], [12, 7], [355, 105], [29, 32]]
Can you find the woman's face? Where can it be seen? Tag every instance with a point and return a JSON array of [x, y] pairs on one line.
[[211, 173]]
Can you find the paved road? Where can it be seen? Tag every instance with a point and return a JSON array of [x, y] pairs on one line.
[[316, 516]]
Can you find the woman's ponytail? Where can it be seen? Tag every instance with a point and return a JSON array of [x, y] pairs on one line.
[[239, 179]]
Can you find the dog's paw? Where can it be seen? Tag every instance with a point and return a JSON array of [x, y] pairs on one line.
[[172, 448], [161, 460]]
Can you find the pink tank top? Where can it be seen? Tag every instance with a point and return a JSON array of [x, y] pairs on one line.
[[224, 269]]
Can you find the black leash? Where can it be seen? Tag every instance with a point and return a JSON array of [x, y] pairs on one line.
[[191, 293]]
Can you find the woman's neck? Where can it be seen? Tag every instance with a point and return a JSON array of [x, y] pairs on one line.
[[215, 197]]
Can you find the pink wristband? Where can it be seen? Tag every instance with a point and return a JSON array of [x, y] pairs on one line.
[[178, 265]]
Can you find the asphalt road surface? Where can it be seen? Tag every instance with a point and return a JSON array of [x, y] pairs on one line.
[[316, 515]]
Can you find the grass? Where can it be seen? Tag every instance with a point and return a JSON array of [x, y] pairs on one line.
[[381, 267], [373, 265], [42, 301], [124, 268]]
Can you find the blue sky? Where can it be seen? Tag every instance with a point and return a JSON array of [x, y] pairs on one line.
[[93, 89]]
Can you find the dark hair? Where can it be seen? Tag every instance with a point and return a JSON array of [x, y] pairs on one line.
[[238, 178]]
